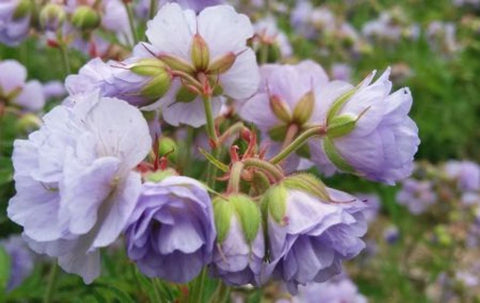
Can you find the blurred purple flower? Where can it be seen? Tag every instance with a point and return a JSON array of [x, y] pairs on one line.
[[14, 22], [74, 180], [417, 196], [15, 89], [341, 71], [21, 260], [54, 89], [372, 206], [467, 174], [171, 232], [267, 32], [391, 234]]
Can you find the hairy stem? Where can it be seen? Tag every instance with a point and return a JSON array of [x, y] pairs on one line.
[[298, 142], [52, 280]]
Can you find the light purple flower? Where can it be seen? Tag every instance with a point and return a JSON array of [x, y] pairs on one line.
[[142, 9], [391, 234], [74, 180], [315, 237], [372, 206], [284, 85], [267, 32], [441, 37], [21, 260], [15, 89], [54, 89], [341, 71], [225, 33], [336, 290], [171, 232], [95, 75], [13, 29], [384, 140], [416, 195], [467, 174]]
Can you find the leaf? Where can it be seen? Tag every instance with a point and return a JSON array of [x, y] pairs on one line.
[[214, 161], [4, 269]]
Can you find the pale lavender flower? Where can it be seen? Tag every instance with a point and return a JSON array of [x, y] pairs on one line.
[[171, 232], [417, 196], [391, 234], [337, 290], [341, 71], [267, 32], [467, 174], [314, 237], [390, 27], [54, 89], [272, 108], [14, 24], [21, 260], [372, 203], [74, 180], [224, 33], [441, 37], [384, 140], [467, 278], [16, 90], [95, 75], [142, 9]]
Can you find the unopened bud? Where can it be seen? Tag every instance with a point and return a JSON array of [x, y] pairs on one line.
[[28, 123], [52, 16], [222, 64], [200, 53], [280, 109], [308, 183], [168, 147], [157, 86], [148, 67], [160, 175], [275, 202], [23, 8], [177, 63], [304, 109], [85, 18]]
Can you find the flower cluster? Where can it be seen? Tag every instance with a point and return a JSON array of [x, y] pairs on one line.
[[103, 163]]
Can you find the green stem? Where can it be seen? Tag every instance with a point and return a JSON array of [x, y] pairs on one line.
[[131, 22], [153, 9], [221, 293], [232, 130], [52, 279], [207, 105], [196, 295], [235, 177], [266, 166], [64, 54], [298, 142]]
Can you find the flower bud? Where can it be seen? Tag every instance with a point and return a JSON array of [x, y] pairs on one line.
[[148, 67], [159, 175], [341, 125], [52, 16], [157, 86], [168, 147], [308, 183], [222, 64], [177, 63], [247, 212], [28, 123], [86, 18], [275, 202], [280, 109], [23, 9], [200, 53], [304, 109]]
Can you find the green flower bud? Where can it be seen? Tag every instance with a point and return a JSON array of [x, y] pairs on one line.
[[200, 53], [23, 9], [177, 63], [341, 125], [275, 202], [222, 64], [304, 109], [167, 146], [244, 208], [158, 85], [52, 16], [280, 109], [148, 67], [28, 123], [86, 18]]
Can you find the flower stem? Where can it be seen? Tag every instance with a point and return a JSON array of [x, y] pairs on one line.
[[232, 130], [298, 142], [52, 279], [131, 22], [66, 62], [158, 296], [266, 166], [221, 293], [153, 9], [196, 295], [235, 177], [207, 105]]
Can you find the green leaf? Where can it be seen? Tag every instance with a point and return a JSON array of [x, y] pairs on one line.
[[4, 269], [214, 161]]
